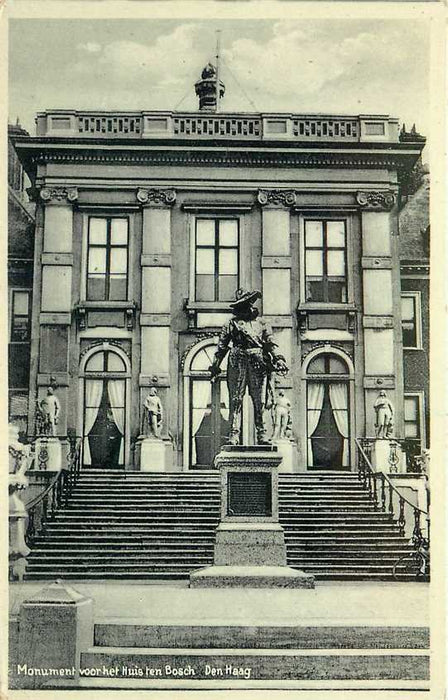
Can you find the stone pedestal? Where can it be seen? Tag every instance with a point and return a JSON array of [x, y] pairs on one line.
[[286, 450], [154, 455], [48, 454], [388, 457], [250, 549], [55, 625]]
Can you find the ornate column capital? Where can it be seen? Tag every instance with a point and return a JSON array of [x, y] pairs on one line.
[[59, 194], [383, 199], [286, 198], [156, 196]]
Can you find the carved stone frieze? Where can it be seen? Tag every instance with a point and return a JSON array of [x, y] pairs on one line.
[[286, 198], [384, 199], [156, 196], [47, 194]]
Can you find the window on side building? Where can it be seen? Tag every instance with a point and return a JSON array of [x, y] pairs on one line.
[[412, 416], [325, 261], [411, 319], [20, 316], [216, 259], [107, 259]]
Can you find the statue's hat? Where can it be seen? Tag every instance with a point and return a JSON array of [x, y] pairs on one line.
[[243, 296]]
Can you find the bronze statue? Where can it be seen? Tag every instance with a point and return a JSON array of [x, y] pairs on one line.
[[384, 416], [253, 359]]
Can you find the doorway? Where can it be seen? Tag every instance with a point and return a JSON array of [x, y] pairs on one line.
[[104, 410], [328, 413]]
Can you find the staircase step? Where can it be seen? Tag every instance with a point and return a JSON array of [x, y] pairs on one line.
[[205, 636], [265, 664]]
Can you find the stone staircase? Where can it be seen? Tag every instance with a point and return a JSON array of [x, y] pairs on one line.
[[134, 525]]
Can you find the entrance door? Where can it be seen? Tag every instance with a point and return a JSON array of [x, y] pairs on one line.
[[105, 438], [209, 420], [328, 415], [104, 411]]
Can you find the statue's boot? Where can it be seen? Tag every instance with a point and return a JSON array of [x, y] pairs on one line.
[[234, 438]]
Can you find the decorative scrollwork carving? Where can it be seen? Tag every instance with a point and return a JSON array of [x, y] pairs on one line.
[[376, 200], [59, 194], [286, 198], [156, 196]]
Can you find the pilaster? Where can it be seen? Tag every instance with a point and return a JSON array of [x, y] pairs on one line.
[[381, 300], [155, 314], [55, 303]]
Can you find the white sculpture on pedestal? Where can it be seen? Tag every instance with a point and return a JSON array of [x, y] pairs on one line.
[[152, 415], [384, 417], [282, 411]]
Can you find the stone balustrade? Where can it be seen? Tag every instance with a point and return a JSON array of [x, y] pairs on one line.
[[197, 125]]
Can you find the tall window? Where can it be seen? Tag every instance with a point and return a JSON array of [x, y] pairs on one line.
[[328, 413], [325, 261], [216, 259], [412, 417], [107, 259], [20, 316], [410, 320]]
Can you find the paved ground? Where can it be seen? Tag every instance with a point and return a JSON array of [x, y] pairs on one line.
[[361, 603]]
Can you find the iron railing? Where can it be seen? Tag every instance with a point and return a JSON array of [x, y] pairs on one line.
[[43, 508], [386, 497]]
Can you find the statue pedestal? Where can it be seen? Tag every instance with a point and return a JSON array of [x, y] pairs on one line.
[[250, 549], [388, 457], [286, 450], [154, 455], [48, 454]]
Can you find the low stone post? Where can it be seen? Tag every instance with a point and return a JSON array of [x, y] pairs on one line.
[[55, 626]]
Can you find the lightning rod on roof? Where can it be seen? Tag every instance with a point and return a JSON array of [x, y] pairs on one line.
[[218, 48]]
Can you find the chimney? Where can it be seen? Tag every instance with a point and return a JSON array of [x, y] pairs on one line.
[[205, 89]]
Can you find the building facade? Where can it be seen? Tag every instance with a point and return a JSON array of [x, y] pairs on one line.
[[21, 224], [414, 263], [147, 223]]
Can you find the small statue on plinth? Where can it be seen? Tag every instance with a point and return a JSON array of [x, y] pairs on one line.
[[253, 359], [152, 415], [48, 412], [384, 417], [282, 417]]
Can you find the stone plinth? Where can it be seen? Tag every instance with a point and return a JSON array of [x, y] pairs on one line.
[[381, 454], [154, 455], [55, 625], [286, 449], [250, 548], [48, 454]]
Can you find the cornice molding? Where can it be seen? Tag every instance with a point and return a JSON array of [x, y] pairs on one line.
[[156, 196], [285, 198], [224, 159], [59, 194], [382, 199]]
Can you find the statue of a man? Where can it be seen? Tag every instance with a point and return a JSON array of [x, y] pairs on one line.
[[282, 410], [50, 410], [153, 414], [384, 416], [252, 360]]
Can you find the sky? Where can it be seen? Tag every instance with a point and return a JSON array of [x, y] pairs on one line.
[[320, 65]]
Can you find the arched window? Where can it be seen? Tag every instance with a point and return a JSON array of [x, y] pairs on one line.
[[328, 412], [208, 414], [104, 404]]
